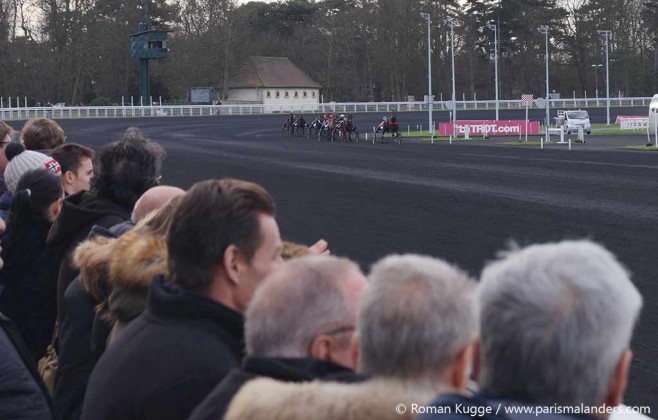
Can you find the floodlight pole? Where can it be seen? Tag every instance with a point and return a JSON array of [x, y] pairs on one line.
[[427, 17], [596, 78], [451, 23], [544, 30], [606, 34], [495, 29]]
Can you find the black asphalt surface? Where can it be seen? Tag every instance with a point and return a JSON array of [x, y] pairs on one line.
[[459, 202]]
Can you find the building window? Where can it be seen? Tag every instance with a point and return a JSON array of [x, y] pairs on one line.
[[269, 95], [296, 94], [286, 94], [313, 94], [305, 94], [278, 94]]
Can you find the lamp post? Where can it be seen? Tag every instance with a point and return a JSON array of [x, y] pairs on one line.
[[606, 34], [494, 28], [596, 78], [544, 30], [451, 24], [426, 16]]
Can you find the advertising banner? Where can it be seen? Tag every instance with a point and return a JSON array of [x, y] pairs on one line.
[[632, 122], [621, 118], [490, 127]]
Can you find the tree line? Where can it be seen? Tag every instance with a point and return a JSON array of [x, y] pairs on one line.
[[359, 50]]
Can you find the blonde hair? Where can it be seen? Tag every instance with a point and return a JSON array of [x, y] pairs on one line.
[[42, 133], [293, 250]]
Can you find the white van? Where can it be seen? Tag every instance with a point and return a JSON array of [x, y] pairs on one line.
[[575, 119], [653, 114]]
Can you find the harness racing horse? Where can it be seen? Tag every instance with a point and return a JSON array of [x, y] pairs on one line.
[[389, 125], [347, 127], [316, 127], [297, 125], [288, 126], [329, 128]]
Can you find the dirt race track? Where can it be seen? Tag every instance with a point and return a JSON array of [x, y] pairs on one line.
[[462, 202]]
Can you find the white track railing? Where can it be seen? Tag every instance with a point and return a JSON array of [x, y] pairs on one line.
[[66, 112]]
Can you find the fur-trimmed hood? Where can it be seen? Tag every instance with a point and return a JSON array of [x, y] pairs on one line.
[[376, 399], [136, 260], [92, 258]]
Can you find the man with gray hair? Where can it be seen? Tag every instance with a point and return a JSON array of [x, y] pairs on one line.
[[556, 322], [298, 327], [416, 326]]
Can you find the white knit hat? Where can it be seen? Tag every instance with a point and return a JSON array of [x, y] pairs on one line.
[[25, 161]]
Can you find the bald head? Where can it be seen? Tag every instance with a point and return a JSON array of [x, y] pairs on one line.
[[154, 199]]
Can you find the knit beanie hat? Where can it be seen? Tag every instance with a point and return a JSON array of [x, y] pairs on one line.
[[22, 161]]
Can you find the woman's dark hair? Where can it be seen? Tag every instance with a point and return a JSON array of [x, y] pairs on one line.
[[35, 192], [14, 149], [127, 168]]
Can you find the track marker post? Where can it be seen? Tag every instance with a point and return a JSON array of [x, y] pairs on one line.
[[526, 123]]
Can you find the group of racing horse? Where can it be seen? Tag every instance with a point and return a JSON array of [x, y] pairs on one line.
[[333, 127]]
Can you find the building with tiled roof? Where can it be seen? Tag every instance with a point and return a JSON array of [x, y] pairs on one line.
[[271, 81]]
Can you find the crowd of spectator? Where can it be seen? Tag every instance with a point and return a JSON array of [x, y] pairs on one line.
[[121, 298]]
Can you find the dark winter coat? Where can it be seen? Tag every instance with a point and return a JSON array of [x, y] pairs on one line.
[[80, 212], [22, 392], [287, 370], [168, 359], [75, 347], [29, 283], [82, 333]]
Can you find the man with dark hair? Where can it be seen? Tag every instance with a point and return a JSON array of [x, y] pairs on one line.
[[77, 167], [223, 241], [125, 170], [42, 135]]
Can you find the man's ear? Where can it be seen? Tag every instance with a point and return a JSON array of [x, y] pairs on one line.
[[232, 264], [458, 373], [619, 380], [354, 350], [475, 359], [321, 348], [67, 177]]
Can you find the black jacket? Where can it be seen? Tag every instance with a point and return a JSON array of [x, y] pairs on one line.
[[28, 282], [76, 359], [167, 360], [287, 370], [22, 392], [80, 212]]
